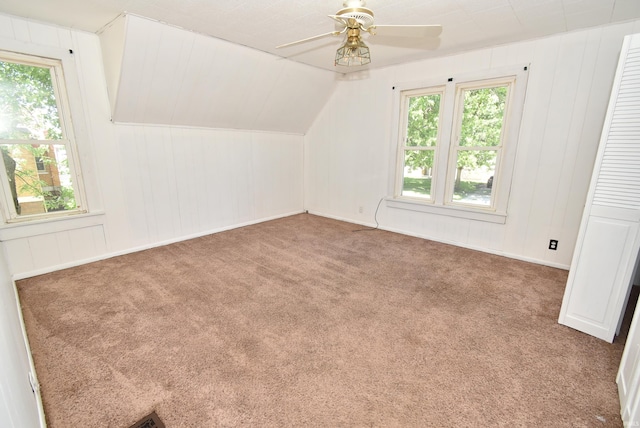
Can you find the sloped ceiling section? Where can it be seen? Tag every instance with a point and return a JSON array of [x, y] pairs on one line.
[[160, 74]]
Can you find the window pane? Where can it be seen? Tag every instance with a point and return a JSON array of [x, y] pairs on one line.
[[474, 176], [28, 108], [39, 178], [418, 167], [483, 116], [422, 120]]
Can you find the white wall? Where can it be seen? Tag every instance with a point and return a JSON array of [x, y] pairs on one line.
[[350, 149], [162, 74], [166, 183], [162, 184], [18, 406], [148, 184]]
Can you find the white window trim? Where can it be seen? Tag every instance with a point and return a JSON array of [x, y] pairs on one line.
[[402, 146], [60, 62], [48, 225], [438, 203], [454, 147]]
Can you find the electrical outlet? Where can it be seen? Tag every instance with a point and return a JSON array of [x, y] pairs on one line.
[[360, 210], [553, 244]]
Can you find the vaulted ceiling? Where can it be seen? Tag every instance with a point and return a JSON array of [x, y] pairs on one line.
[[262, 25]]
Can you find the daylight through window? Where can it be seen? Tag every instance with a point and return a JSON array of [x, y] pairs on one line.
[[39, 177], [478, 142], [453, 139], [420, 142]]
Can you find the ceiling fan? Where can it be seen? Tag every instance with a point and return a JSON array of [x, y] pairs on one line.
[[353, 20]]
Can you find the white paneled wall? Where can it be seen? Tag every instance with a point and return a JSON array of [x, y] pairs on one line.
[[146, 184], [179, 182], [163, 74], [150, 184], [350, 149], [18, 404]]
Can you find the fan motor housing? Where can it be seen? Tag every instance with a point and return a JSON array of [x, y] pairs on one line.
[[362, 15]]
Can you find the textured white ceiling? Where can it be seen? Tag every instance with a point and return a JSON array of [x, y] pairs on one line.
[[260, 24]]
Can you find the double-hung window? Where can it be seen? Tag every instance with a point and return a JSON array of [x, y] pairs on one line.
[[422, 120], [457, 143], [39, 175]]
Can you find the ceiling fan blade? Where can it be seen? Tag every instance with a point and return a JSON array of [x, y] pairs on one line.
[[308, 39], [426, 43], [419, 31]]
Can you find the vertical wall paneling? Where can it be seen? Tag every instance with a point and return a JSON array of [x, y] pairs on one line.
[[555, 172], [232, 177], [19, 257], [165, 172], [89, 117], [135, 59], [568, 88], [143, 169], [87, 242], [133, 192], [524, 213], [83, 77], [245, 191], [603, 70], [6, 27], [176, 77], [21, 30], [567, 209], [317, 162], [65, 248], [185, 190], [186, 181], [543, 58], [112, 47], [609, 240], [45, 250], [19, 406], [200, 73], [43, 35], [199, 175], [161, 69], [268, 176], [156, 183]]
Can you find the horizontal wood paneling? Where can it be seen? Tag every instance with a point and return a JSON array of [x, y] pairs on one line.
[[570, 80]]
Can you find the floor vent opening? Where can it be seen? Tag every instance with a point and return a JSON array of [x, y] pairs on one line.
[[152, 420]]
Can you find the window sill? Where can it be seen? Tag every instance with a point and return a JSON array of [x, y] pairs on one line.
[[451, 211], [44, 226]]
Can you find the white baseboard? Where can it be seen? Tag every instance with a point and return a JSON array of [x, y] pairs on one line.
[[109, 255], [457, 244]]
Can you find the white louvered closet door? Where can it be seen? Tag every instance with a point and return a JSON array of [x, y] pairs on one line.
[[608, 242]]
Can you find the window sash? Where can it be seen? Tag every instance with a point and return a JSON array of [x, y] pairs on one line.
[[409, 188], [456, 146], [67, 140], [403, 138], [446, 149]]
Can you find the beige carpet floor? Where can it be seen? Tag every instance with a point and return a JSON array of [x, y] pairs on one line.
[[303, 322]]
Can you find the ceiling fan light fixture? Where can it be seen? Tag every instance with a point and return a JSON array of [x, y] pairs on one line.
[[353, 19], [351, 54]]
